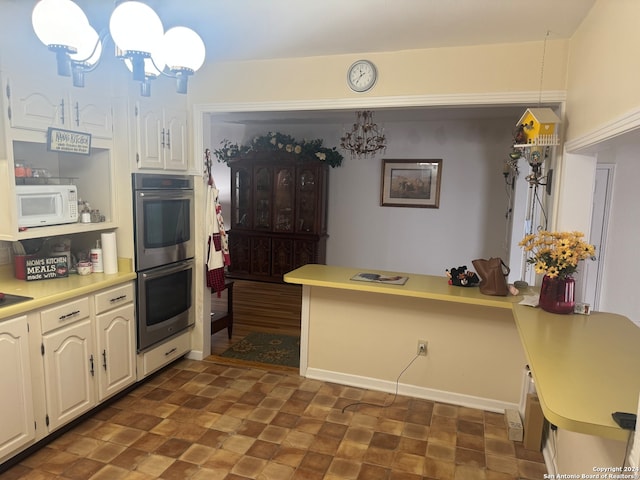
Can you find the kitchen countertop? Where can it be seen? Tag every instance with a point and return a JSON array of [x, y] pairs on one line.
[[584, 366], [421, 286], [48, 292]]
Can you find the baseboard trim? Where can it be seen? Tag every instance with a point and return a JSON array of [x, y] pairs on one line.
[[195, 355], [442, 396]]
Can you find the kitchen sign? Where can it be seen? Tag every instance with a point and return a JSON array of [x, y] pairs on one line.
[[46, 268], [68, 141]]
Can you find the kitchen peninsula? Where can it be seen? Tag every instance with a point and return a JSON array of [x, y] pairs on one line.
[[364, 334]]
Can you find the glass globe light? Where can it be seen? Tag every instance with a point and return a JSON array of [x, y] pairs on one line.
[[135, 27], [58, 22], [89, 48], [183, 49]]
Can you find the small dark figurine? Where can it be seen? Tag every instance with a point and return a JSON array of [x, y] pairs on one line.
[[519, 135], [460, 277]]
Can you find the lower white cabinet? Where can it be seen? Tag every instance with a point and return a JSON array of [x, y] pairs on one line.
[[69, 368], [16, 401], [116, 347], [88, 351]]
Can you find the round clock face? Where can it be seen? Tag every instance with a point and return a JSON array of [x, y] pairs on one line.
[[362, 76]]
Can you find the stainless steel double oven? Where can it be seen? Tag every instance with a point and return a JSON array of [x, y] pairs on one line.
[[163, 209]]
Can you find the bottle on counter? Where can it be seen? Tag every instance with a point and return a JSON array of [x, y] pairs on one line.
[[96, 258]]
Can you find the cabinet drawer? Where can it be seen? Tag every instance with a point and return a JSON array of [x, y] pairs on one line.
[[114, 298], [162, 355], [64, 314]]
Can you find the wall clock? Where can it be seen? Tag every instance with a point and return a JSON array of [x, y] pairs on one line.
[[362, 76]]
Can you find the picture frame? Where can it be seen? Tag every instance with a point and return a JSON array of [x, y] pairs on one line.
[[411, 183]]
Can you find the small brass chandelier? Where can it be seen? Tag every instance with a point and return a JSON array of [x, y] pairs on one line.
[[365, 138]]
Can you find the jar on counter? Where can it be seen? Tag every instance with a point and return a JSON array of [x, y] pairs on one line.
[[20, 170]]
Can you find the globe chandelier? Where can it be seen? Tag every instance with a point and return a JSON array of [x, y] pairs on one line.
[[135, 29]]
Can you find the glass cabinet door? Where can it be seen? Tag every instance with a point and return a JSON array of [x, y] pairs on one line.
[[262, 198], [240, 216], [284, 193], [307, 184]]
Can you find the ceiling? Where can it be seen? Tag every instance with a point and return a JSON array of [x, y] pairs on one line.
[[240, 30], [266, 29]]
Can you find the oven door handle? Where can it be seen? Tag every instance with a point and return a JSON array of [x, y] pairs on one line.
[[168, 194], [163, 271]]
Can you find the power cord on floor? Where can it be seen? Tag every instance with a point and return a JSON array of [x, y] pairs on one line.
[[395, 396]]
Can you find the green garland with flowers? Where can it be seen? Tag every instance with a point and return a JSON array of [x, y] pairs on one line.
[[273, 142]]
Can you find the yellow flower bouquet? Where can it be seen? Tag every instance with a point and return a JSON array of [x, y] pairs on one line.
[[556, 254]]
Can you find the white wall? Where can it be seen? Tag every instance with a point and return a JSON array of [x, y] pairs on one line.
[[619, 288], [470, 222]]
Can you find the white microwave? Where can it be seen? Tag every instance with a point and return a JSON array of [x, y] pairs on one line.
[[40, 205]]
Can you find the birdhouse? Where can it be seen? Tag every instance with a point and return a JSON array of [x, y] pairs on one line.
[[537, 126]]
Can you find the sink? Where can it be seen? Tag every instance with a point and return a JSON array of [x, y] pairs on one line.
[[7, 299]]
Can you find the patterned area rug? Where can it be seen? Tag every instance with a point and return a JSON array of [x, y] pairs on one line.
[[267, 348]]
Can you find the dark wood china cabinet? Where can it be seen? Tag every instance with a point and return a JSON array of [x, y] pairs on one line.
[[278, 214]]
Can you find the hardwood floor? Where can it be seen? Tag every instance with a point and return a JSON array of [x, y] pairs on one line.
[[258, 307]]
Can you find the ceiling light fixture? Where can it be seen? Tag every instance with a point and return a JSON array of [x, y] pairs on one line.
[[137, 32], [365, 138]]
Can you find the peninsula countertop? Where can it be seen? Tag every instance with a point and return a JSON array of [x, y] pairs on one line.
[[584, 366], [48, 292], [420, 286]]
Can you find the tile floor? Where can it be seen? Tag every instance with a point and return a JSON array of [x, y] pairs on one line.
[[206, 420]]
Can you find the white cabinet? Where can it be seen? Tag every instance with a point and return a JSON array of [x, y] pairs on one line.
[[69, 362], [69, 368], [88, 350], [161, 137], [16, 402], [115, 340], [161, 355], [30, 106]]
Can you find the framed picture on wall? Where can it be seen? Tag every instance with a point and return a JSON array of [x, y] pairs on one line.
[[411, 183]]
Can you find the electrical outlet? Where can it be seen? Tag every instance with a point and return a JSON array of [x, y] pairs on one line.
[[422, 347]]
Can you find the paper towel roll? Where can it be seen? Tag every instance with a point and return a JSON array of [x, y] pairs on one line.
[[109, 252]]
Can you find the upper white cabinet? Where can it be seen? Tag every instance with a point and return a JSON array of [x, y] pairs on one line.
[[16, 402], [161, 137], [32, 104], [33, 107]]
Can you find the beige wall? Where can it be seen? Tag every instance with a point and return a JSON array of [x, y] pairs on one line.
[[604, 67], [443, 71], [473, 351]]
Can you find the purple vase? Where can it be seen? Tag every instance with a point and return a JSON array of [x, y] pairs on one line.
[[557, 295]]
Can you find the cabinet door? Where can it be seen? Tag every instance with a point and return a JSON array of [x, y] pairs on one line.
[[90, 113], [306, 251], [161, 137], [308, 209], [240, 251], [281, 256], [261, 256], [241, 189], [175, 141], [149, 134], [263, 184], [33, 107], [116, 348], [69, 367], [283, 198], [16, 401]]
